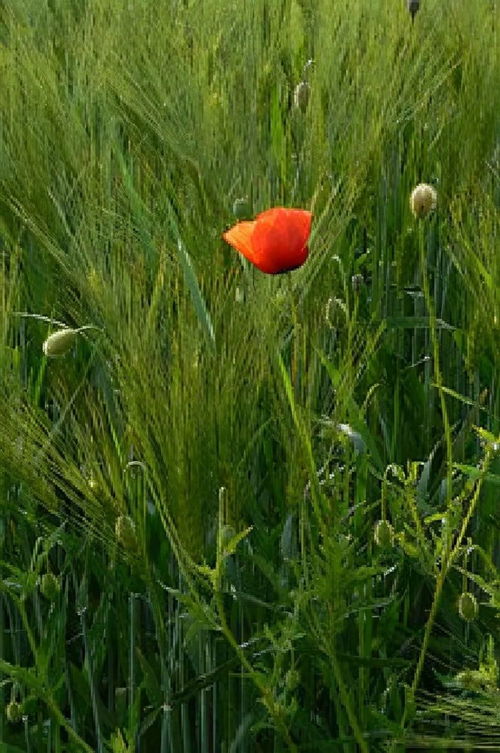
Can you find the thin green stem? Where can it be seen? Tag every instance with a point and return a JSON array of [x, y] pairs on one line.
[[450, 550], [61, 719], [448, 559], [436, 362], [347, 703], [267, 697]]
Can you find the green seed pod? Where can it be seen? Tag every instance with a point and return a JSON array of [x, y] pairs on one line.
[[383, 534], [423, 200], [50, 586], [468, 607], [59, 343], [241, 208], [125, 532], [301, 96], [13, 712]]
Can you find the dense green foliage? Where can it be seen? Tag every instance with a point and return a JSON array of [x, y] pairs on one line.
[[241, 512]]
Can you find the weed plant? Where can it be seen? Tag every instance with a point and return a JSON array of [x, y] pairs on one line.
[[244, 513]]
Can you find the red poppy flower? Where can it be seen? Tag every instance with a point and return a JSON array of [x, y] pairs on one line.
[[276, 241]]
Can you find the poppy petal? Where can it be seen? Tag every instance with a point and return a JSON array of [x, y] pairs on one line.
[[276, 241], [240, 238], [280, 239]]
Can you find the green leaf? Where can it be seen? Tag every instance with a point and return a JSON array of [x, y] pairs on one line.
[[194, 288], [415, 322], [6, 748], [474, 473]]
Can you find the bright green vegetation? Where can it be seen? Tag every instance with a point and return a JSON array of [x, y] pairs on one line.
[[239, 514]]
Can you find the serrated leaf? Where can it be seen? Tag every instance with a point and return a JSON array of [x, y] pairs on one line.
[[231, 546]]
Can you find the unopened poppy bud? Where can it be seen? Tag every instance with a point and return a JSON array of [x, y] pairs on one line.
[[467, 606], [357, 282], [383, 534], [13, 712], [301, 96], [50, 586], [413, 7], [241, 208], [292, 679], [125, 532], [423, 200], [59, 343]]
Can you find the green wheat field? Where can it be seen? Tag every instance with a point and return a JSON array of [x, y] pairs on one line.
[[243, 512]]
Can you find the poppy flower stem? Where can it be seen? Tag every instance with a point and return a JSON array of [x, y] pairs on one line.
[[295, 335]]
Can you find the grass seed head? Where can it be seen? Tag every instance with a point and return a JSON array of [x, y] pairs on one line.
[[468, 607], [383, 534], [423, 200], [59, 343], [125, 532], [301, 96], [13, 712]]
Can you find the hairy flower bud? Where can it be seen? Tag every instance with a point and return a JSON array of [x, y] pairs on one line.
[[468, 607], [423, 200], [301, 96], [413, 7], [357, 282], [59, 343], [13, 712], [241, 208], [292, 679], [125, 532], [383, 534], [50, 586]]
